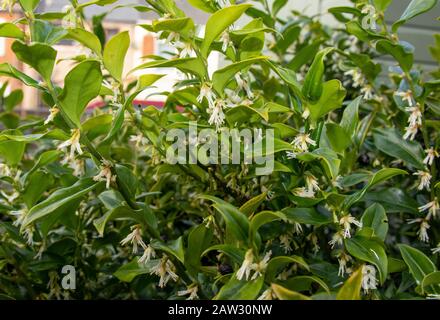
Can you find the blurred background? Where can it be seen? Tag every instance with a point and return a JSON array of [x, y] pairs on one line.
[[418, 31]]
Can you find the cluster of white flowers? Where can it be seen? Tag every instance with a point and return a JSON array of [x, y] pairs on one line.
[[423, 228], [5, 171], [425, 179], [73, 143], [431, 154], [135, 238], [217, 115], [343, 259], [359, 81], [267, 294], [191, 291], [369, 281], [166, 270], [301, 144], [105, 174], [186, 50], [249, 265], [346, 222]]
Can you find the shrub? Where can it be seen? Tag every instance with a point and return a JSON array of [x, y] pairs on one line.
[[345, 209]]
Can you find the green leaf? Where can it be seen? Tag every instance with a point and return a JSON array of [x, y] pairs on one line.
[[382, 5], [261, 219], [236, 254], [199, 240], [174, 248], [307, 216], [251, 205], [39, 56], [305, 283], [236, 222], [313, 87], [58, 198], [431, 283], [127, 181], [418, 263], [369, 251], [221, 77], [331, 98], [402, 53], [350, 117], [218, 22], [114, 54], [86, 38], [390, 142], [10, 30], [81, 85], [286, 294], [45, 32], [236, 289], [131, 270], [415, 8], [304, 55], [376, 218], [380, 176], [351, 290], [337, 136], [187, 65], [202, 5], [29, 5], [12, 151], [277, 264]]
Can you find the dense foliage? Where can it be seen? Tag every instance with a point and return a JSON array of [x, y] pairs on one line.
[[350, 210]]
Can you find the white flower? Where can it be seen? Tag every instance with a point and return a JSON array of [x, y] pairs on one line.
[[147, 255], [303, 193], [302, 142], [432, 208], [20, 215], [78, 167], [243, 85], [217, 115], [172, 37], [436, 250], [246, 267], [431, 154], [411, 132], [369, 281], [297, 229], [337, 238], [367, 91], [415, 118], [406, 96], [53, 112], [291, 155], [73, 143], [425, 179], [346, 221], [337, 182], [165, 270], [135, 238], [192, 291], [306, 114], [285, 240], [423, 229], [343, 259], [105, 174], [261, 266], [139, 140], [10, 198], [311, 183], [357, 76], [207, 92], [186, 50], [226, 41], [267, 294], [5, 171]]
